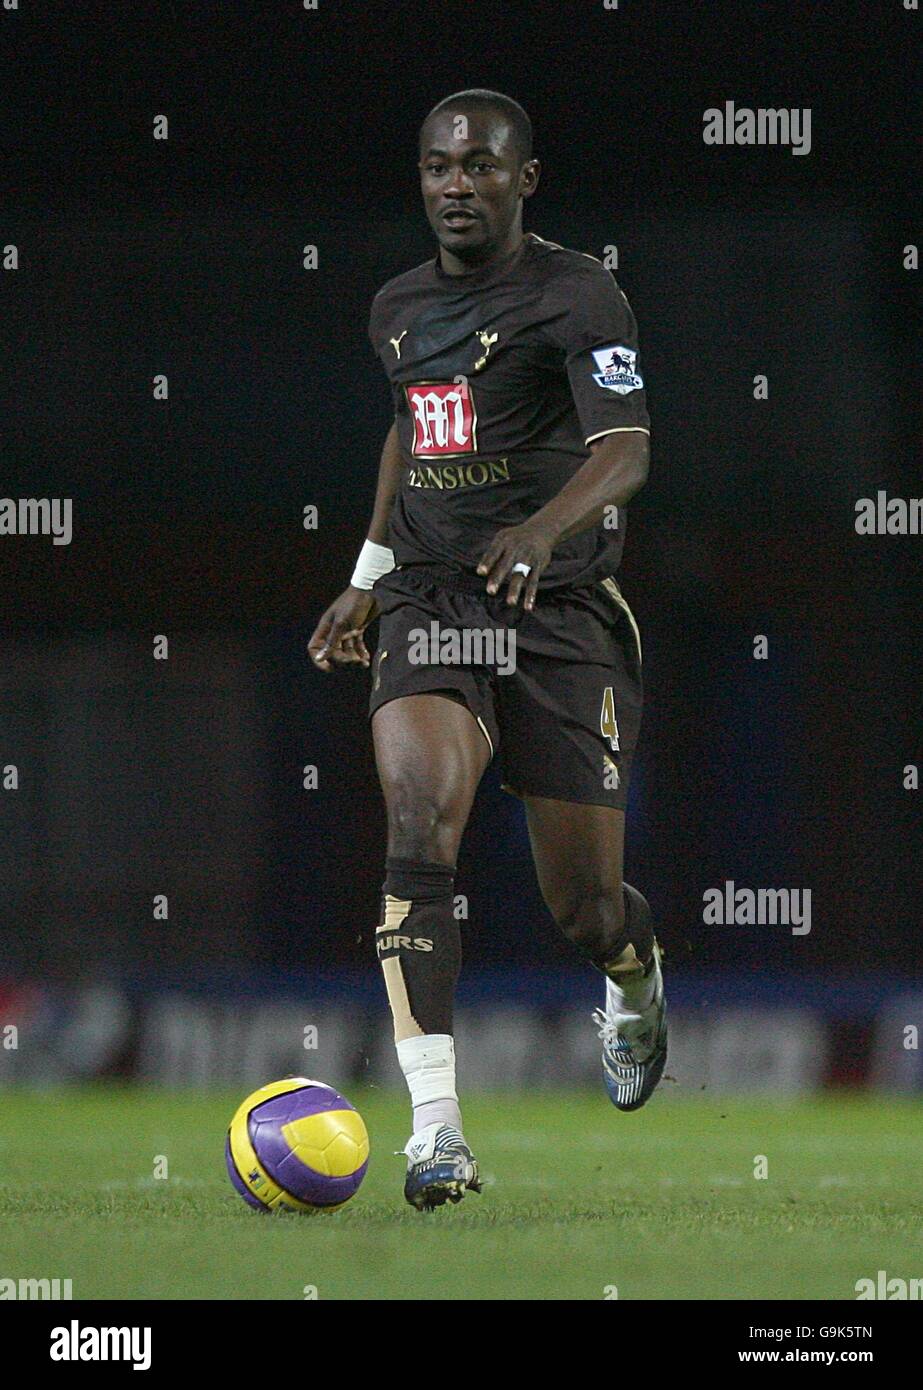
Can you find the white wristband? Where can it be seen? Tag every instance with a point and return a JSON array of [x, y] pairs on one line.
[[374, 561]]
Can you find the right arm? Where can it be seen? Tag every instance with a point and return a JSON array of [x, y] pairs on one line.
[[337, 639], [389, 480]]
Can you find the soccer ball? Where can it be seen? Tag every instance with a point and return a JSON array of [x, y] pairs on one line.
[[296, 1145]]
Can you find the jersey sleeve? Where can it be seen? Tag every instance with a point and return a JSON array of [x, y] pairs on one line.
[[376, 333], [374, 329], [593, 325]]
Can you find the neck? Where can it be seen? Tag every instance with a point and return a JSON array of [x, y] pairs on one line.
[[454, 265]]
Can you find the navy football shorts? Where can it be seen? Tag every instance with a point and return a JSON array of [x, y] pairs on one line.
[[556, 692]]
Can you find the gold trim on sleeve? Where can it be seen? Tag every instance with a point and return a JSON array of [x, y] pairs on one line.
[[619, 429]]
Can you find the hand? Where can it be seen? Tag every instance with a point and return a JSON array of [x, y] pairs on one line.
[[527, 544], [337, 639]]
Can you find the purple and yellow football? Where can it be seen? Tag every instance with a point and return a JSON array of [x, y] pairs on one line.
[[297, 1145]]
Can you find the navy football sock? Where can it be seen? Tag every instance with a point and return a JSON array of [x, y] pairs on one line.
[[419, 945]]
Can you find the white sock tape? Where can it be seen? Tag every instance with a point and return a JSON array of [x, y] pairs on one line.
[[428, 1064]]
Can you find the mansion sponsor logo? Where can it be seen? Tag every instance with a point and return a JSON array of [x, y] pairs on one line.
[[450, 476], [37, 516], [467, 646], [742, 125], [26, 1290], [444, 418], [76, 1343], [894, 1290], [764, 907], [882, 515]]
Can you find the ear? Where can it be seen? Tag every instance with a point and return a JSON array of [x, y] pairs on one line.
[[529, 175]]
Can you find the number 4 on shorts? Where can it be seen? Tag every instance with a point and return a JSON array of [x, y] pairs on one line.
[[608, 724]]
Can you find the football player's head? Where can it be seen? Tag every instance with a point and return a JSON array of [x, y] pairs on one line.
[[476, 167]]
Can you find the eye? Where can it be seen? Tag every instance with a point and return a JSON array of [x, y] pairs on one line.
[[482, 167], [435, 168]]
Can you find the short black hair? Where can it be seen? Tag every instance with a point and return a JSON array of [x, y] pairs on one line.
[[483, 100]]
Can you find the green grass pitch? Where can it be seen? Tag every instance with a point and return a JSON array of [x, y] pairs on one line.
[[578, 1200]]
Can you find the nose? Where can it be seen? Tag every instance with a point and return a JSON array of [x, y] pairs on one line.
[[458, 186]]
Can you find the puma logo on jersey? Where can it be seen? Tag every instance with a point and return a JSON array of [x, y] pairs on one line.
[[398, 942], [396, 342], [487, 340]]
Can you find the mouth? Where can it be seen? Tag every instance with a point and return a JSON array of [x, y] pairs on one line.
[[459, 217]]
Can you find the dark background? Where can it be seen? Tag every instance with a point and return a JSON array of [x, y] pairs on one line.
[[288, 128]]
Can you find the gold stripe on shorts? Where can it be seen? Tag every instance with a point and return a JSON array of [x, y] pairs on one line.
[[615, 593]]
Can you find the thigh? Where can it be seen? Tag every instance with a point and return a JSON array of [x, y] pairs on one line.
[[431, 754], [569, 730], [570, 713], [578, 849], [410, 606]]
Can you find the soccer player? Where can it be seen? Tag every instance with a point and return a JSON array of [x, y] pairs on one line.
[[520, 433]]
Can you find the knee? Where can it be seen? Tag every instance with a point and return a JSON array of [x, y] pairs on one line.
[[591, 916], [422, 825]]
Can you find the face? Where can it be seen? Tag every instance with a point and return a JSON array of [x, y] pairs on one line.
[[472, 182]]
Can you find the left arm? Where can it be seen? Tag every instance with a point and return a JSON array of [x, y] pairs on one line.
[[616, 469]]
